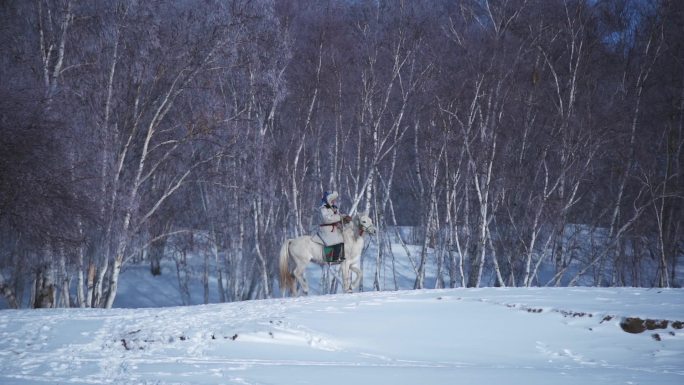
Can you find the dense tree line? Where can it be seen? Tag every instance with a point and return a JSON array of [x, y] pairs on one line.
[[526, 142]]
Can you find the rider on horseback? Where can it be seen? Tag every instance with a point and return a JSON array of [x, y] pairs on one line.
[[296, 254], [331, 227]]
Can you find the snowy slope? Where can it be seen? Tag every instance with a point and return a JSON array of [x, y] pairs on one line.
[[458, 336]]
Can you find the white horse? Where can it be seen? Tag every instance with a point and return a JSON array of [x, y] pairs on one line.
[[303, 250]]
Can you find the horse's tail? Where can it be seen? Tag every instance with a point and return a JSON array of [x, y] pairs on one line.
[[286, 278]]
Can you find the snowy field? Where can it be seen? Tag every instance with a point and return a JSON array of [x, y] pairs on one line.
[[458, 336]]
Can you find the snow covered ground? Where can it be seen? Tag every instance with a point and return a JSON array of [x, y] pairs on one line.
[[457, 336]]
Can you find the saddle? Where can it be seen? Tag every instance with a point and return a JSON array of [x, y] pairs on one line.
[[334, 253]]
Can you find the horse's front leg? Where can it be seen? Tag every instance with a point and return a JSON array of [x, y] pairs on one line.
[[357, 279], [346, 278]]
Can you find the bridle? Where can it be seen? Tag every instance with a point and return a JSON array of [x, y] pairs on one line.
[[363, 228]]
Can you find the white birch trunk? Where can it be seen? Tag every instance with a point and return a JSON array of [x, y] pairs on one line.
[[262, 261], [482, 187], [80, 279], [430, 226], [497, 269], [205, 278], [64, 300]]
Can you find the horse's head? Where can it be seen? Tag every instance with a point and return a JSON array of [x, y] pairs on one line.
[[364, 223]]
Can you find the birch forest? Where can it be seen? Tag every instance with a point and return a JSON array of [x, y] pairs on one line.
[[522, 142]]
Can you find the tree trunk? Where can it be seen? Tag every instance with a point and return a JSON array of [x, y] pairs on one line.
[[64, 300], [44, 288], [260, 257]]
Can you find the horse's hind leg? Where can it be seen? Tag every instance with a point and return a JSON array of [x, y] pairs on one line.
[[301, 278], [293, 285]]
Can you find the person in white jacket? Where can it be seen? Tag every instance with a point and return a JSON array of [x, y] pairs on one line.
[[331, 225]]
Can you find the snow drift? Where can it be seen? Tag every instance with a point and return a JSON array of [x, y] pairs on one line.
[[468, 336]]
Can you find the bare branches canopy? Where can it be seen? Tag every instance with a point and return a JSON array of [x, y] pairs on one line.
[[525, 142]]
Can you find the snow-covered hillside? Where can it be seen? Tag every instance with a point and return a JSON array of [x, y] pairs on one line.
[[458, 336]]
